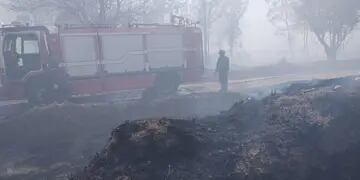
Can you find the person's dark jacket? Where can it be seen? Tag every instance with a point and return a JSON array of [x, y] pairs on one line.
[[223, 65]]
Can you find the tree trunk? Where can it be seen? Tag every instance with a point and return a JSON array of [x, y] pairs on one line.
[[206, 30], [289, 38], [102, 12], [118, 9], [331, 54]]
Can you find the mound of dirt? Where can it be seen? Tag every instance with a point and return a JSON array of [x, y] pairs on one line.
[[312, 131], [306, 134]]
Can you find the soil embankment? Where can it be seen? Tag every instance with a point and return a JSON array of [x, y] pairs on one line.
[[310, 132]]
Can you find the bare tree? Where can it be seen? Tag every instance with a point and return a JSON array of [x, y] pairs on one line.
[[213, 10], [233, 11], [282, 15], [208, 15], [98, 11], [331, 21]]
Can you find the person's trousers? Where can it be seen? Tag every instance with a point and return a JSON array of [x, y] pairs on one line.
[[224, 81]]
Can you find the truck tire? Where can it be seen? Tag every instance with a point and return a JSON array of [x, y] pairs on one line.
[[45, 89], [166, 83]]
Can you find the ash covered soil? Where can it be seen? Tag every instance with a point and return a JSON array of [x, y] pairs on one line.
[[310, 131], [54, 141]]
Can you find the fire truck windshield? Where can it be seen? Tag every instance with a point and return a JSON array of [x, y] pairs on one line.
[[31, 47]]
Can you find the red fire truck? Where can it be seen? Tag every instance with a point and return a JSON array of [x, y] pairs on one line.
[[44, 66]]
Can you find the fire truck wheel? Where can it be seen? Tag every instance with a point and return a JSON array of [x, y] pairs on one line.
[[149, 94], [45, 91], [167, 82]]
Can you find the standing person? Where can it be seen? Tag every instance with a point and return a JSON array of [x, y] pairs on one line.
[[223, 68]]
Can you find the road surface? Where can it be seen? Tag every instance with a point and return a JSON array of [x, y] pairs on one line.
[[246, 86]]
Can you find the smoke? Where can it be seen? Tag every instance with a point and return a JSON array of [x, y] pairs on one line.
[[258, 42]]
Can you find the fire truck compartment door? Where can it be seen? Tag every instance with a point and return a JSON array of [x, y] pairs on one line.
[[123, 53], [79, 54], [165, 50]]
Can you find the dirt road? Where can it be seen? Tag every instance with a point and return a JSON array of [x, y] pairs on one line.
[[247, 86]]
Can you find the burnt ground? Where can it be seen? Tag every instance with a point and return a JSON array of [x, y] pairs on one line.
[[311, 131], [53, 141]]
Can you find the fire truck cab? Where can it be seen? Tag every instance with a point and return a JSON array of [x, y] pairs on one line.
[[24, 53], [77, 60]]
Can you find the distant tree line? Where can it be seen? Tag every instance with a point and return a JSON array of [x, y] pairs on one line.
[[331, 21], [97, 11], [137, 11]]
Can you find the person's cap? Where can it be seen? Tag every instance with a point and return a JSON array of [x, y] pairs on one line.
[[222, 52]]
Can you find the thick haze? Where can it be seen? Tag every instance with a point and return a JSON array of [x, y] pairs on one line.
[[258, 43], [264, 47], [6, 16], [258, 38]]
